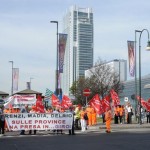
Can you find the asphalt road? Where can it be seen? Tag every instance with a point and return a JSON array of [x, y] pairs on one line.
[[128, 139]]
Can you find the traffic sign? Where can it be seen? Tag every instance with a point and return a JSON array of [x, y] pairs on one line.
[[86, 92]]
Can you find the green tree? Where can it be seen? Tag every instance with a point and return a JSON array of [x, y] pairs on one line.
[[100, 80]]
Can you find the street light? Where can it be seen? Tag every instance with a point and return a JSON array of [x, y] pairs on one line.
[[136, 31], [30, 82], [12, 78], [56, 86], [147, 48]]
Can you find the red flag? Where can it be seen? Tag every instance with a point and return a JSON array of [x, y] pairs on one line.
[[144, 103], [39, 105], [95, 102], [106, 103], [115, 97], [55, 101], [148, 100], [66, 102]]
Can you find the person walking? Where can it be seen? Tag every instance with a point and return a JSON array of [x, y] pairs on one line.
[[2, 121], [108, 117]]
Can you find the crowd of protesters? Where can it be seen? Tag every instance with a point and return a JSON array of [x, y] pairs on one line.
[[83, 117]]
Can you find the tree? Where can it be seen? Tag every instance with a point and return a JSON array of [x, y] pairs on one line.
[[100, 79]]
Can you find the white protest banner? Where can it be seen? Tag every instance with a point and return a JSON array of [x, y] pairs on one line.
[[43, 121], [18, 101]]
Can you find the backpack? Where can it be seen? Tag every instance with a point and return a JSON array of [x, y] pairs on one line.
[[85, 116]]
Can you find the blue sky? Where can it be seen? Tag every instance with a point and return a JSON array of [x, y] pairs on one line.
[[29, 39]]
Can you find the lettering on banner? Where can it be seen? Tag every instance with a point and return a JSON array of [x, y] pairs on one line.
[[40, 121]]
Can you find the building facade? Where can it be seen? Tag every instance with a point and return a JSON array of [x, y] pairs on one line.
[[78, 24], [118, 66], [129, 90]]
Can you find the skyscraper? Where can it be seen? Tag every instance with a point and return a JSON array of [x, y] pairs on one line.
[[78, 24]]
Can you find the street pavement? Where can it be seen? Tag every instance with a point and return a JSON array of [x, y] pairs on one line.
[[122, 137]]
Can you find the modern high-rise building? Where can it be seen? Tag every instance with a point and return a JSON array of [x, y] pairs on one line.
[[78, 24]]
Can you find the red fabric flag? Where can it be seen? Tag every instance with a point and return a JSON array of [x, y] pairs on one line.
[[95, 102], [148, 100], [144, 103], [106, 103], [55, 101], [66, 102], [115, 97], [39, 105]]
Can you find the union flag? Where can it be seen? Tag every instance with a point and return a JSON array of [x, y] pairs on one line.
[[95, 102], [115, 98]]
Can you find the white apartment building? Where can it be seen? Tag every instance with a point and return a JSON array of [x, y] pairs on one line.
[[78, 24]]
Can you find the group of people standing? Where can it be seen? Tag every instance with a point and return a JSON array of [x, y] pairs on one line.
[[84, 117], [123, 114]]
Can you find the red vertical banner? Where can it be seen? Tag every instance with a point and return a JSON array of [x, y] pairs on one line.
[[131, 58], [62, 46], [15, 78]]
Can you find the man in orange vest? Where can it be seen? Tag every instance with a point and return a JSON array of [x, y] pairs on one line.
[[108, 117], [89, 113]]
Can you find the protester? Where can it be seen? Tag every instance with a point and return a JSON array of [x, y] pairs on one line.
[[77, 117], [56, 111], [148, 116], [83, 119], [108, 117], [116, 114], [120, 113], [2, 121], [129, 113], [33, 110], [71, 131], [89, 113], [24, 110]]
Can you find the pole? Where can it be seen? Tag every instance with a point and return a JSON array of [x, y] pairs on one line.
[[86, 100], [56, 85], [136, 31], [140, 121], [30, 82], [12, 78]]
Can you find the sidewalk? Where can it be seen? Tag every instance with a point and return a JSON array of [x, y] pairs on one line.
[[95, 128], [120, 126]]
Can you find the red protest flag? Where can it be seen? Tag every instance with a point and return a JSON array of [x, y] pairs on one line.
[[106, 103], [144, 103], [55, 101], [115, 97], [148, 100], [95, 102], [39, 104], [66, 102]]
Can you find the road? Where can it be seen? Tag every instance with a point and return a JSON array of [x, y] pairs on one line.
[[119, 139]]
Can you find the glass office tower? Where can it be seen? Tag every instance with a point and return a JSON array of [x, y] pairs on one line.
[[78, 24]]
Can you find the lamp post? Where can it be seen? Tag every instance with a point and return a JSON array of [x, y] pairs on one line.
[[30, 82], [136, 31], [56, 86], [12, 77], [147, 48]]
